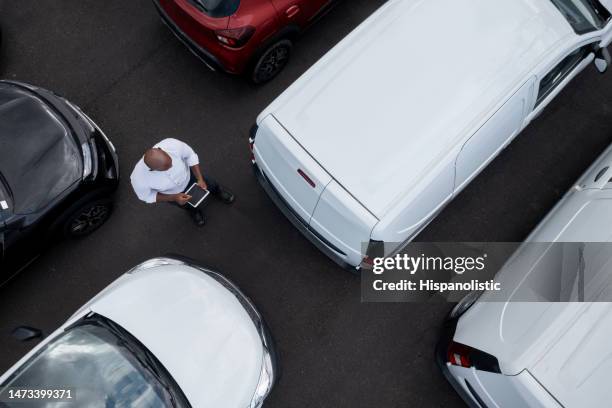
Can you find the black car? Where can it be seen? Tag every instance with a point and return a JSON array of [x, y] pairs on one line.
[[57, 173]]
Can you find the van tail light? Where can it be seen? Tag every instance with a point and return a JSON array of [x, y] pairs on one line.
[[252, 135], [465, 356], [368, 261], [459, 355], [375, 249], [307, 178], [235, 37]]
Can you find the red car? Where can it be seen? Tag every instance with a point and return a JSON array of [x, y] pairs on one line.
[[252, 37]]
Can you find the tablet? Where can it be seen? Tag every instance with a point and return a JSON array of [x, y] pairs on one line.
[[197, 193]]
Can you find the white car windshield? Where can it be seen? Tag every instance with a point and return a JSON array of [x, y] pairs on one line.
[[100, 368], [583, 15]]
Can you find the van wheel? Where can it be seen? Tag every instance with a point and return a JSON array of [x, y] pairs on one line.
[[88, 218], [271, 61]]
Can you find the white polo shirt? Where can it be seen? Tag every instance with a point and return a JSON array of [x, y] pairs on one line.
[[147, 183]]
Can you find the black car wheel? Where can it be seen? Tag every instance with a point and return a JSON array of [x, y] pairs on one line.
[[88, 218], [272, 61]]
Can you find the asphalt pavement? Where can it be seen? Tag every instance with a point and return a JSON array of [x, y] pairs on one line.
[[122, 66]]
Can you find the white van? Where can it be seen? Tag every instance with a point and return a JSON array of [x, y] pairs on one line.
[[381, 133], [533, 352]]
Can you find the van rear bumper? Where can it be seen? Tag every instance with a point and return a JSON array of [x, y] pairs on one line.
[[321, 243]]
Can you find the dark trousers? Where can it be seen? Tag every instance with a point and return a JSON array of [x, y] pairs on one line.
[[213, 187]]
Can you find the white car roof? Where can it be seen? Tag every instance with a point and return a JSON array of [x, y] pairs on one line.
[[394, 97], [564, 345], [196, 328]]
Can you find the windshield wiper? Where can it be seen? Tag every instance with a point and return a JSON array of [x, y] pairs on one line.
[[148, 362]]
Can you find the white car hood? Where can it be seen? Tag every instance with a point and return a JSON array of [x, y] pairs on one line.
[[196, 328]]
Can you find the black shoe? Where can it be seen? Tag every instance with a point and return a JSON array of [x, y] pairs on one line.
[[198, 218], [226, 196]]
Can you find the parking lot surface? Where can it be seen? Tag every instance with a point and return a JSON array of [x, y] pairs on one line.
[[121, 65]]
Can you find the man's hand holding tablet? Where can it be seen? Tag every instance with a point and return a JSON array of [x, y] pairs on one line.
[[197, 195], [182, 198]]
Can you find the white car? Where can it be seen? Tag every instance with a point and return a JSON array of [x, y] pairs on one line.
[[379, 135], [546, 342], [167, 333]]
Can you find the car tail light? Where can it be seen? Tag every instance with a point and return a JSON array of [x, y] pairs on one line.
[[459, 355], [235, 37], [465, 356], [368, 261], [376, 249]]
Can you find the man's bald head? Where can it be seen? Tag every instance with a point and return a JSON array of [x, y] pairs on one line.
[[156, 159]]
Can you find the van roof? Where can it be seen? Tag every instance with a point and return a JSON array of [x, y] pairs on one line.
[[398, 94]]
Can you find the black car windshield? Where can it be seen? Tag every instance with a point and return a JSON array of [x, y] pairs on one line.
[[583, 15], [217, 8], [100, 368]]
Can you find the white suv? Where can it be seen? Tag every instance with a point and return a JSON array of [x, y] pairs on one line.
[[379, 135], [547, 342]]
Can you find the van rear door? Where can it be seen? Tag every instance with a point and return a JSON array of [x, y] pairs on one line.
[[295, 176], [343, 223]]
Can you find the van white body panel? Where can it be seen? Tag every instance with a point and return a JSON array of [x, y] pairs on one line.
[[504, 391], [419, 207], [366, 126], [352, 224], [576, 368], [458, 83], [493, 136], [565, 346], [280, 157], [585, 212]]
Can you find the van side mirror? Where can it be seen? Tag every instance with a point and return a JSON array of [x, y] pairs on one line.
[[602, 60], [25, 333]]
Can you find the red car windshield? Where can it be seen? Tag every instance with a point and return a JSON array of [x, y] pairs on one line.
[[217, 8]]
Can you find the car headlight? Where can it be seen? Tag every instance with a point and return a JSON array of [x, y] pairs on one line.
[[87, 162], [266, 380], [464, 304]]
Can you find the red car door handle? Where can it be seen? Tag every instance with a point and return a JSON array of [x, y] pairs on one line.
[[292, 11]]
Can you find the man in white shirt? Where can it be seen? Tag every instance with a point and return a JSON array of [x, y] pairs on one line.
[[167, 170]]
